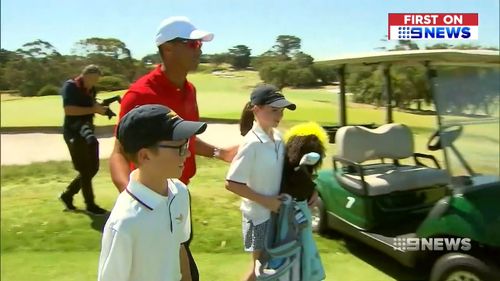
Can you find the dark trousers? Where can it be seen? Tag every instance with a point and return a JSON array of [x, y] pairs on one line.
[[195, 275], [85, 158]]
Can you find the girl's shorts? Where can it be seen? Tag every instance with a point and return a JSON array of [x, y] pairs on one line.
[[253, 235]]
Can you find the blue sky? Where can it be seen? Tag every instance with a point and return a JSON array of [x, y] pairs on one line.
[[328, 28]]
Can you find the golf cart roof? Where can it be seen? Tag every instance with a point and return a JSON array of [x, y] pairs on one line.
[[436, 57]]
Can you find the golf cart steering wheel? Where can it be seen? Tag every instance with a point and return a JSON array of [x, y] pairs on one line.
[[449, 133]]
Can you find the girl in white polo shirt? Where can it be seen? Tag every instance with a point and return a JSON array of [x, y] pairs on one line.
[[255, 173]]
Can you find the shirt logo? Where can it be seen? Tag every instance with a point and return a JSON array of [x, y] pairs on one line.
[[179, 218]]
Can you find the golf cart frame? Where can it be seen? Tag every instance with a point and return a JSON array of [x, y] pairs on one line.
[[441, 206]]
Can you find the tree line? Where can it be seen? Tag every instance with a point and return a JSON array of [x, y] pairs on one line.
[[37, 68]]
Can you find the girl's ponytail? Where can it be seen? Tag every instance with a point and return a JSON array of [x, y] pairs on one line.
[[246, 120]]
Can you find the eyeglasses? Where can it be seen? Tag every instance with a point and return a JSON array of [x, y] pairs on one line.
[[183, 148], [193, 44]]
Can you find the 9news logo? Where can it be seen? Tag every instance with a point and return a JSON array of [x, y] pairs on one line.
[[433, 26], [431, 244]]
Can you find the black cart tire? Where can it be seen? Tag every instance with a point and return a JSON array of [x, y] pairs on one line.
[[461, 267], [319, 220]]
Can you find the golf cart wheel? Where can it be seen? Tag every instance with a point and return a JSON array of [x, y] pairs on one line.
[[318, 212], [460, 267]]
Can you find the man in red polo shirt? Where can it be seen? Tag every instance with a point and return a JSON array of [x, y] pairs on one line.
[[179, 45]]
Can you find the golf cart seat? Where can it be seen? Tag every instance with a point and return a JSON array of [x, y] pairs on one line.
[[356, 145]]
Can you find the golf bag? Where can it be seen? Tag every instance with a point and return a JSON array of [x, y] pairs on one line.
[[290, 253]]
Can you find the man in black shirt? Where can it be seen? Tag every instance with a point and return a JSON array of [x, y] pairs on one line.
[[78, 129]]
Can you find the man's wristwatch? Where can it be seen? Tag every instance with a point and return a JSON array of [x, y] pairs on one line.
[[216, 153]]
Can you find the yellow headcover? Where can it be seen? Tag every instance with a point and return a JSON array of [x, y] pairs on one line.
[[306, 129]]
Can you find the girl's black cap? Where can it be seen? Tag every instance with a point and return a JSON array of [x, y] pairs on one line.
[[266, 94]]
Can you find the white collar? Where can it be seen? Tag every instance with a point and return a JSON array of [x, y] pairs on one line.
[[144, 195], [263, 136]]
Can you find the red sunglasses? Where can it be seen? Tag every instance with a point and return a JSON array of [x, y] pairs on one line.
[[193, 44]]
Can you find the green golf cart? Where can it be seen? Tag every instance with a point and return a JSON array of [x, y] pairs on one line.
[[437, 209]]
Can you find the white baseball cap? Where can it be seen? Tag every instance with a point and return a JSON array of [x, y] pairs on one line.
[[180, 27]]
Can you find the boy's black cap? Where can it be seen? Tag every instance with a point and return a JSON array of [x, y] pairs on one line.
[[266, 94], [146, 125]]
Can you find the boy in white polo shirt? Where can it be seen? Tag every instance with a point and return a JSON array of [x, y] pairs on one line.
[[143, 235], [255, 173]]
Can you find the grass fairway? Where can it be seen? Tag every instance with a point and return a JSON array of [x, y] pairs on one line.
[[40, 242], [218, 97]]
